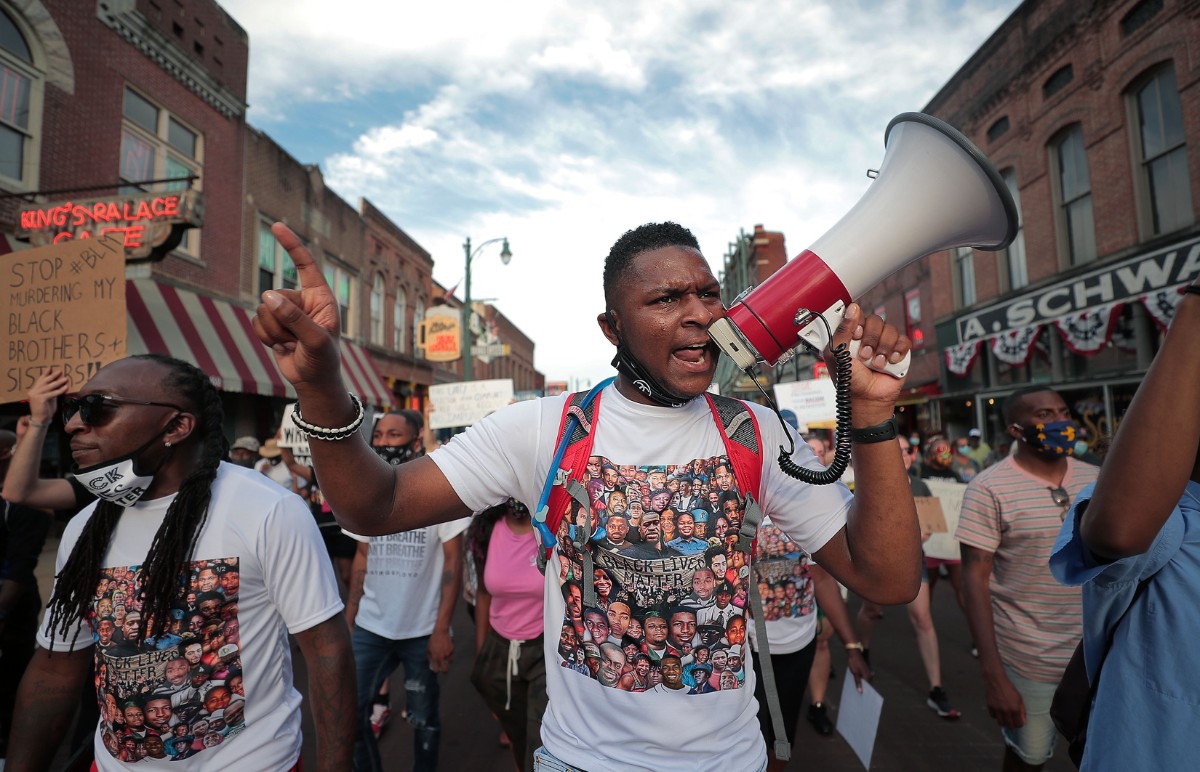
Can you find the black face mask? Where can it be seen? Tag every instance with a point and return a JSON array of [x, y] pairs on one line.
[[395, 454], [628, 366], [246, 462]]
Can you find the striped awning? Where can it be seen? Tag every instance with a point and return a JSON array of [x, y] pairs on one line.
[[217, 337], [214, 335], [362, 377]]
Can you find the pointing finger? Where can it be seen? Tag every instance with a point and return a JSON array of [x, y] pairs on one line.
[[306, 267]]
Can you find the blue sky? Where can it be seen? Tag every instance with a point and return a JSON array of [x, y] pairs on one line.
[[565, 124]]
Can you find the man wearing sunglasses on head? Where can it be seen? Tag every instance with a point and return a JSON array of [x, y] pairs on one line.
[[147, 440], [1025, 624]]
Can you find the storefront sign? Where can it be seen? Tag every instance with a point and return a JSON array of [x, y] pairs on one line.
[[1124, 280], [441, 334], [63, 306], [148, 224]]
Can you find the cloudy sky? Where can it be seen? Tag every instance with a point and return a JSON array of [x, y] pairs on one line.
[[561, 125]]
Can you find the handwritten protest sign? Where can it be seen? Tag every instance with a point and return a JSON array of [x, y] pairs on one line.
[[290, 437], [63, 306], [950, 494], [929, 515], [463, 404]]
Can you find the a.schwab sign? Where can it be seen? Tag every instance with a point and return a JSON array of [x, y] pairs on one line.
[[1123, 280]]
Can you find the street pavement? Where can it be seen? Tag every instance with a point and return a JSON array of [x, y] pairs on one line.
[[911, 737]]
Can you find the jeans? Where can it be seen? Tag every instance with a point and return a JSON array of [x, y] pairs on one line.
[[1034, 742], [376, 657]]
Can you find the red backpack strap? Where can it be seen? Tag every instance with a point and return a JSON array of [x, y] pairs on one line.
[[743, 443], [568, 467]]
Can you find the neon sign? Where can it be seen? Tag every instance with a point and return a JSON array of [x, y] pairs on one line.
[[148, 224]]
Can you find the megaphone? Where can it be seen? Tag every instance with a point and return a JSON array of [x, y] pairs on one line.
[[934, 191]]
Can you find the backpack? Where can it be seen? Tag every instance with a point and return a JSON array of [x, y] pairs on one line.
[[743, 446]]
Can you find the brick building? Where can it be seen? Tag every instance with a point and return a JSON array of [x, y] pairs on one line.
[[139, 106], [1091, 113]]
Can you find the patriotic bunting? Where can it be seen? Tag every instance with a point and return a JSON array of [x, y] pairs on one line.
[[1086, 332], [960, 358], [1161, 305], [1016, 346]]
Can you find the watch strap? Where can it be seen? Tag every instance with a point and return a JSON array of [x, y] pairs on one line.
[[881, 432]]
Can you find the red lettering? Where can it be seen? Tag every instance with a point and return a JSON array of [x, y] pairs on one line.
[[79, 216], [143, 211], [98, 211], [62, 237], [170, 206], [114, 213], [134, 235]]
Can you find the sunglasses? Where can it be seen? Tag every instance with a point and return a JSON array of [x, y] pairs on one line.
[[1060, 496], [94, 409]]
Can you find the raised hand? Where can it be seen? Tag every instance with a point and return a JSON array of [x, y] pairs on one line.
[[879, 344], [44, 393], [301, 326]]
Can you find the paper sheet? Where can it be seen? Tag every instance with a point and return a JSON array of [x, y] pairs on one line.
[[858, 717]]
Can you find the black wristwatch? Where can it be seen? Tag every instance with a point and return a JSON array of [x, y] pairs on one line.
[[878, 433]]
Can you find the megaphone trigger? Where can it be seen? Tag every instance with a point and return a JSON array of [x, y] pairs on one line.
[[896, 370]]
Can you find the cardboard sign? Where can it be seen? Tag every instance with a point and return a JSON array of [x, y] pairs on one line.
[[929, 515], [63, 306], [467, 403], [950, 495]]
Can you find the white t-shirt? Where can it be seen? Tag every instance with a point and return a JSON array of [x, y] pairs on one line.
[[587, 724], [403, 585], [261, 571], [789, 604]]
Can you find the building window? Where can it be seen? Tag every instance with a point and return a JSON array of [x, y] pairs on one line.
[[341, 281], [275, 267], [964, 272], [377, 310], [1058, 81], [1075, 197], [998, 129], [1139, 15], [1164, 182], [418, 317], [20, 105], [156, 145], [1018, 269], [398, 311]]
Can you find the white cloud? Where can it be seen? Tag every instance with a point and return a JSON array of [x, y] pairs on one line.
[[565, 124]]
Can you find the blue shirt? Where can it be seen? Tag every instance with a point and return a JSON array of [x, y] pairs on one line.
[[1147, 709]]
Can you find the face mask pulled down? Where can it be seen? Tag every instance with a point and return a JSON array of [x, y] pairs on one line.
[[1055, 438], [119, 480]]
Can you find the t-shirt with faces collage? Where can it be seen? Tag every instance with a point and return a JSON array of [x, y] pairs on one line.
[[215, 688], [783, 580], [655, 674]]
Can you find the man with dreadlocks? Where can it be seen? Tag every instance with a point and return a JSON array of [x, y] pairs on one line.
[[146, 438], [661, 297]]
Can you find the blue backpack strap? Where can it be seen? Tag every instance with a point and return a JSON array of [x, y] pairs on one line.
[[574, 446]]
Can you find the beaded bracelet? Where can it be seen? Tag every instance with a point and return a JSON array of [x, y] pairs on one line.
[[321, 433]]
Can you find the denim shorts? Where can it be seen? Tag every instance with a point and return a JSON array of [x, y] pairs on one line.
[[1034, 742]]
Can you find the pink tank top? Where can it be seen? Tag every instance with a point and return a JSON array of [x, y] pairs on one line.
[[516, 585]]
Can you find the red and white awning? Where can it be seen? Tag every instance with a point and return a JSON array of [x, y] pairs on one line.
[[218, 338]]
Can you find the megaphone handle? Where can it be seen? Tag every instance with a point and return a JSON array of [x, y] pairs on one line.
[[815, 334], [897, 370]]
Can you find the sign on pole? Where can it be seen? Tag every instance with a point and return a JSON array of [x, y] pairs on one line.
[[441, 334], [467, 403], [63, 306]]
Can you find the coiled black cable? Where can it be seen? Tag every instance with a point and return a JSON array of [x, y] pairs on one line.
[[843, 362]]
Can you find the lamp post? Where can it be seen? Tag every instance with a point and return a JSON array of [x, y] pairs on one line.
[[505, 257]]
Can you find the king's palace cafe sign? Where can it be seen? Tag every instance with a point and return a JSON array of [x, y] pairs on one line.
[[149, 224], [1119, 281]]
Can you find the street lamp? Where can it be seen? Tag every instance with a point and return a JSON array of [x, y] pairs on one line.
[[505, 256]]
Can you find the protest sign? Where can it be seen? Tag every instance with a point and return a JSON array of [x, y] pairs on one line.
[[290, 437], [950, 495], [929, 515], [463, 404], [63, 306]]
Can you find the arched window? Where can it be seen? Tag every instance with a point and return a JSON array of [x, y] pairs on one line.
[[1165, 186], [398, 312], [1018, 270], [377, 310], [418, 317], [1074, 191], [21, 86]]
